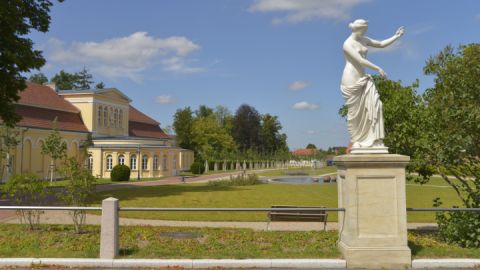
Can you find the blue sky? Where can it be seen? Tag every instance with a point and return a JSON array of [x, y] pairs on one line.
[[283, 57]]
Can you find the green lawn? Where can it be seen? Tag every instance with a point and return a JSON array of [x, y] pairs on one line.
[[59, 241], [263, 195]]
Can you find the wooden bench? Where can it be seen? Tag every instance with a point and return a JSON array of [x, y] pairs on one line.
[[298, 215]]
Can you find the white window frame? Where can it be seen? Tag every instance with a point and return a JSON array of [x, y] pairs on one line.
[[144, 163], [133, 162], [155, 163], [121, 159], [109, 162]]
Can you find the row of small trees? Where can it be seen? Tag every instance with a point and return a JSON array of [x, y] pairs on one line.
[[31, 190]]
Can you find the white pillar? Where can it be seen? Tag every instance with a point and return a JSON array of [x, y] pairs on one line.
[[373, 229], [109, 229]]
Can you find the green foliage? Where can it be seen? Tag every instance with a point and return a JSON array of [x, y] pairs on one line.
[[461, 228], [17, 56], [210, 139], [27, 190], [182, 124], [120, 173], [239, 180], [78, 191], [8, 140], [197, 167], [79, 80], [311, 146], [39, 78], [54, 147], [246, 128]]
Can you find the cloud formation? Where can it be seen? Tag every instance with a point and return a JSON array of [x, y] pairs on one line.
[[303, 105], [298, 85], [126, 56], [306, 10], [165, 99]]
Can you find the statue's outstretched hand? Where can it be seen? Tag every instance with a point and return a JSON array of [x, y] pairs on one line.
[[382, 72], [400, 31]]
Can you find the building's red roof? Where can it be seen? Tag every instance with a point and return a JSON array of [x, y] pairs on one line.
[[304, 152], [137, 129], [43, 96], [43, 118], [137, 116]]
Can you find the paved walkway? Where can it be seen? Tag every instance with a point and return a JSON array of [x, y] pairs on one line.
[[62, 217]]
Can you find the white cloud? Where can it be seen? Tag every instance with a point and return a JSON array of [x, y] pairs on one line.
[[312, 132], [165, 99], [306, 10], [298, 85], [392, 48], [126, 56], [303, 105]]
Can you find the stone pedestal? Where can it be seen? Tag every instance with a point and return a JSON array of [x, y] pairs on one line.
[[373, 228]]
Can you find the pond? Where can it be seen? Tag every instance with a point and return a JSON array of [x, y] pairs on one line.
[[328, 179]]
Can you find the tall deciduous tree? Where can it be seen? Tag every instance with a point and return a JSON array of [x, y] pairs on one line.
[[182, 124], [17, 56], [246, 128], [38, 78], [210, 139], [64, 80]]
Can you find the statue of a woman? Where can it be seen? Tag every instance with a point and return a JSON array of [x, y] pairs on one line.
[[365, 115]]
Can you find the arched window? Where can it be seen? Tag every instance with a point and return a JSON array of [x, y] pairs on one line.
[[120, 118], [111, 117], [105, 116], [109, 163], [121, 159], [164, 163], [115, 118], [145, 162], [155, 163], [99, 116], [133, 162], [89, 162]]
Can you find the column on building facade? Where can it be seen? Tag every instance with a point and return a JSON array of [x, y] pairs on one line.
[[150, 164], [114, 159]]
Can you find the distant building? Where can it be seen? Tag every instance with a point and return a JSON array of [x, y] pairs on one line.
[[121, 133], [305, 152]]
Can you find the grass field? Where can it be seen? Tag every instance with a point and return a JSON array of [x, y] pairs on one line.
[[157, 242], [263, 195]]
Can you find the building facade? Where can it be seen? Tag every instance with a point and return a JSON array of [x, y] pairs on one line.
[[120, 134]]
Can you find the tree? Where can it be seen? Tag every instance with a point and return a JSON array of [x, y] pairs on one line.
[[100, 85], [84, 79], [182, 124], [8, 140], [27, 190], [211, 140], [311, 146], [64, 80], [78, 191], [204, 111], [39, 78], [54, 147], [17, 56], [246, 128], [271, 140]]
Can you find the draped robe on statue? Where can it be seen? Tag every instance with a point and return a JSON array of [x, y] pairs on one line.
[[365, 112]]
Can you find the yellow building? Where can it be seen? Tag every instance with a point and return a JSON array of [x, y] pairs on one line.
[[120, 133]]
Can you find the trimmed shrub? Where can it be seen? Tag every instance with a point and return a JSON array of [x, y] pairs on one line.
[[239, 180], [120, 173], [197, 167]]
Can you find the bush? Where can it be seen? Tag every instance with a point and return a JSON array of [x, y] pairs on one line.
[[27, 190], [239, 180], [78, 190], [120, 173], [197, 167], [461, 228]]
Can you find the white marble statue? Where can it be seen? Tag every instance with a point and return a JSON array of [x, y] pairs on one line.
[[365, 115]]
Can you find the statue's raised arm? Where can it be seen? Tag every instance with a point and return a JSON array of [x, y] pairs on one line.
[[365, 111]]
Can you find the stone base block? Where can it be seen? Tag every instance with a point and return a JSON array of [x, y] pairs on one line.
[[376, 257]]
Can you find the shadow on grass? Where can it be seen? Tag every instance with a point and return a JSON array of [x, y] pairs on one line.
[[161, 191]]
